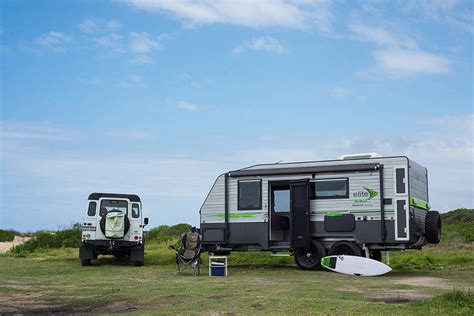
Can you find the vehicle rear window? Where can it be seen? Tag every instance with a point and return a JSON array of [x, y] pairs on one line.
[[135, 210], [107, 206], [91, 209]]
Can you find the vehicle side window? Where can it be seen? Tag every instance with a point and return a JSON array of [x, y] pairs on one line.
[[135, 210], [250, 195], [331, 188], [91, 209]]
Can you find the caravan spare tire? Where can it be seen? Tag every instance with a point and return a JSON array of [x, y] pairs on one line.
[[433, 227], [103, 218], [310, 259]]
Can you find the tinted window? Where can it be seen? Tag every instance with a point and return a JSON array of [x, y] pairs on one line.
[[107, 206], [331, 189], [281, 200], [250, 195], [91, 209], [135, 210]]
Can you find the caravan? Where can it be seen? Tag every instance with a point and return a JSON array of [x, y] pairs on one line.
[[357, 205]]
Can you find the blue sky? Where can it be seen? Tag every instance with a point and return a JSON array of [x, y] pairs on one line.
[[159, 97]]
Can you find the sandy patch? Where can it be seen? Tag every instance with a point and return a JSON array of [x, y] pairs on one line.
[[399, 296], [438, 283], [7, 245]]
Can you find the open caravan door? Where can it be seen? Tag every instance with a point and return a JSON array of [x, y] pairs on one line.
[[299, 208]]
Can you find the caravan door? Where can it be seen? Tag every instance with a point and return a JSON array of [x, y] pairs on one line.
[[299, 208]]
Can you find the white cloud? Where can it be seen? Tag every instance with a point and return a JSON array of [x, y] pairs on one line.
[[110, 41], [92, 25], [129, 134], [54, 41], [398, 56], [398, 62], [143, 43], [453, 13], [183, 105], [270, 13], [340, 92], [131, 81], [380, 36], [264, 43], [93, 81], [33, 130]]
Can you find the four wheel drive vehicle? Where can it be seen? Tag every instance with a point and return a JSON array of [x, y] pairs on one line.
[[113, 225], [357, 205]]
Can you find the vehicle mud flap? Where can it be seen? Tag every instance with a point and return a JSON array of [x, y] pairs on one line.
[[86, 253], [137, 254]]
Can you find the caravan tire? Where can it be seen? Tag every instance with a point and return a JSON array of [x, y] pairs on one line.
[[345, 248], [433, 227], [310, 259], [85, 262]]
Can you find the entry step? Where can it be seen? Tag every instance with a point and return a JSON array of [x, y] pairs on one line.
[[280, 254]]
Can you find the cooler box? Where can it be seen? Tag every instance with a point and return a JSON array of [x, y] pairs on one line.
[[217, 268]]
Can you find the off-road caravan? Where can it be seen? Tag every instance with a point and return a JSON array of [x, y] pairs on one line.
[[358, 205], [113, 225]]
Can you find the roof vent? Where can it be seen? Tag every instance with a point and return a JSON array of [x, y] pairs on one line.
[[360, 156]]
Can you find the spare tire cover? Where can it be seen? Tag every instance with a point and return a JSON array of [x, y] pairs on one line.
[[114, 224]]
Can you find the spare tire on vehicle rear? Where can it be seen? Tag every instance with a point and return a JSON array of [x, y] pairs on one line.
[[104, 218], [433, 227]]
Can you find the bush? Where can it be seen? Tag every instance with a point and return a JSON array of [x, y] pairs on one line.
[[166, 232], [458, 216], [7, 235], [67, 238]]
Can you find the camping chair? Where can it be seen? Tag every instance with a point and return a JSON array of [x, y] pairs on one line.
[[188, 253]]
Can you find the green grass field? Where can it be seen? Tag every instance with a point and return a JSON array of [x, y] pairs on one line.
[[437, 280]]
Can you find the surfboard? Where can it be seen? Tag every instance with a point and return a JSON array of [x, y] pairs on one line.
[[352, 265]]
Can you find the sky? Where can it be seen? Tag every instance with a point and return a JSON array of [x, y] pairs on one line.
[[158, 98]]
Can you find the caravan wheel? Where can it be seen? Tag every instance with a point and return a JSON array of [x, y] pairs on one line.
[[348, 248], [310, 259]]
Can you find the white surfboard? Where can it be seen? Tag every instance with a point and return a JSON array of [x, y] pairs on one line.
[[352, 265]]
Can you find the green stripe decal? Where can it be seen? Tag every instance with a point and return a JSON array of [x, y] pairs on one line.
[[419, 203], [333, 214], [233, 215]]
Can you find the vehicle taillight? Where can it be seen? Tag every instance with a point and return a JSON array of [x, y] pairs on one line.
[[136, 237]]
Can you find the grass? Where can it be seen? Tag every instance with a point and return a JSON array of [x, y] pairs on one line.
[[49, 279], [52, 280]]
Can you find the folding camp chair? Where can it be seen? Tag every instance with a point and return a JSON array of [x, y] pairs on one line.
[[188, 253]]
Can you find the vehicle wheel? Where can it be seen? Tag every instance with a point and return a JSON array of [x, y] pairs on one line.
[[85, 262], [310, 259], [138, 263], [348, 248], [433, 227], [376, 255]]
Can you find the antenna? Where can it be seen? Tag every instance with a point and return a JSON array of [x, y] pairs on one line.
[[278, 162]]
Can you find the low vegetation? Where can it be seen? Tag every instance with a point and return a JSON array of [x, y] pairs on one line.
[[7, 235], [48, 278]]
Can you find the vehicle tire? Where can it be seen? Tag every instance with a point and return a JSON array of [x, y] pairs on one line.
[[433, 227], [310, 259], [85, 262], [345, 248], [376, 255], [138, 263]]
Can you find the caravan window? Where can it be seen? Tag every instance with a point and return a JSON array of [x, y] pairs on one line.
[[281, 199], [331, 188], [250, 195]]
